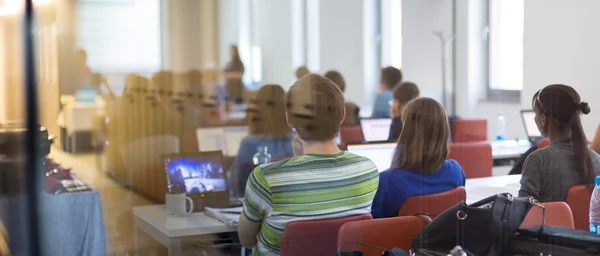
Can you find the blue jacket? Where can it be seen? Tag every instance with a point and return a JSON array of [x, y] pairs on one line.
[[395, 186], [381, 106]]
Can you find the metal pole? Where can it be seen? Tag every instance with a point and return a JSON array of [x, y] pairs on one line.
[[443, 41], [32, 154]]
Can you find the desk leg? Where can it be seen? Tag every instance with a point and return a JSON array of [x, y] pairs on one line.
[[175, 247]]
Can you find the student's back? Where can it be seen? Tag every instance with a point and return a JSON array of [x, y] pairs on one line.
[[548, 173], [390, 77], [309, 187], [419, 166], [555, 167]]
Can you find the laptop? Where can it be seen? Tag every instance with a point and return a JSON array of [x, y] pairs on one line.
[[225, 139], [533, 134], [199, 175], [376, 129], [381, 153]]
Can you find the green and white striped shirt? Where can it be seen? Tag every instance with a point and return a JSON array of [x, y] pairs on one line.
[[307, 187]]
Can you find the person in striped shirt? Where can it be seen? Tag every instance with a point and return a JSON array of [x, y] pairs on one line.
[[320, 182]]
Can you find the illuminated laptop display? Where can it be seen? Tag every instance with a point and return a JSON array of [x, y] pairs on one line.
[[380, 153], [376, 129], [194, 174], [528, 117]]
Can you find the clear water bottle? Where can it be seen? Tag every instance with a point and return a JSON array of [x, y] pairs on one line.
[[501, 127], [261, 156], [595, 209]]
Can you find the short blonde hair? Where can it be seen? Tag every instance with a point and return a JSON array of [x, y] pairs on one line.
[[268, 116], [315, 108], [302, 71], [423, 142]]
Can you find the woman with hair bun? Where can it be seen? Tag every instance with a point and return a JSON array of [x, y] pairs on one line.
[[548, 173]]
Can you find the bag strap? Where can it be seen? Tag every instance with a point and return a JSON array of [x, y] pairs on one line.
[[537, 204]]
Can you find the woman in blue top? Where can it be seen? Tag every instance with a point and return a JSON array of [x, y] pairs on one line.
[[267, 128], [419, 166]]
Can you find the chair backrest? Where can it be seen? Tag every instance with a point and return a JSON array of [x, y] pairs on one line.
[[351, 134], [397, 232], [433, 204], [578, 198], [475, 158], [469, 130], [543, 143], [315, 237], [558, 214]]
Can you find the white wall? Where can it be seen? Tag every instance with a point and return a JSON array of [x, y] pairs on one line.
[[275, 40], [561, 45]]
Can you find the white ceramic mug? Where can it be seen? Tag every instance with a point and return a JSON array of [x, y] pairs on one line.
[[176, 204]]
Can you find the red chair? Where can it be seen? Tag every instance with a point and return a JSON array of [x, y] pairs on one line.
[[398, 232], [558, 214], [578, 198], [433, 204], [315, 237], [475, 158], [351, 134], [469, 130]]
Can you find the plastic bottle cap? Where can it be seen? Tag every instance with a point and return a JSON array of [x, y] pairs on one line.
[[597, 180]]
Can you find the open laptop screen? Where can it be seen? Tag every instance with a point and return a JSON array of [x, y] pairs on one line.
[[531, 128], [380, 153], [194, 173], [376, 129]]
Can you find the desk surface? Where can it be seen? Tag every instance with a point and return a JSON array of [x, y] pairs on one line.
[[173, 226], [481, 188]]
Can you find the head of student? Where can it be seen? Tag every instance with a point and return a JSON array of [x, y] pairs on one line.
[[403, 94], [557, 110], [423, 143], [315, 108], [268, 113], [302, 71], [337, 78], [234, 52], [390, 77]]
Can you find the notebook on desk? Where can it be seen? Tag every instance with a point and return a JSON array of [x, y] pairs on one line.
[[229, 216]]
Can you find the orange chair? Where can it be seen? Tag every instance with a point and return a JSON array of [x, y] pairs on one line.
[[578, 198], [543, 143], [433, 204], [398, 232], [315, 237], [351, 134], [475, 158], [469, 130], [558, 214]]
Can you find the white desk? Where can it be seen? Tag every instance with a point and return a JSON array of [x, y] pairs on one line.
[[481, 188], [506, 149], [170, 230]]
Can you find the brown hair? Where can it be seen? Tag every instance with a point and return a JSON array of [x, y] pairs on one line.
[[302, 71], [562, 106], [390, 77], [423, 143], [315, 108], [337, 78], [268, 118], [406, 92]]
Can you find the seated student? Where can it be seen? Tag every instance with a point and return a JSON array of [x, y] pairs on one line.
[[596, 142], [403, 94], [548, 173], [419, 166], [267, 128], [390, 77], [320, 182], [352, 110]]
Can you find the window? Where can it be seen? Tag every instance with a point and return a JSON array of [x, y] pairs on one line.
[[391, 33], [120, 36], [249, 44], [506, 22]]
